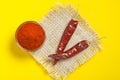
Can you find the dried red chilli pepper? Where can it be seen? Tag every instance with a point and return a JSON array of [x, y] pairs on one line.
[[67, 35], [68, 32], [82, 45]]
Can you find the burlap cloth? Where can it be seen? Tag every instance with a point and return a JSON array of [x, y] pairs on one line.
[[54, 24]]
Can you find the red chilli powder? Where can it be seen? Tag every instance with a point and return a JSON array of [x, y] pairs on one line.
[[30, 35]]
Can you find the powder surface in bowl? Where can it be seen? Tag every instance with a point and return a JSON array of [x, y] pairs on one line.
[[30, 35]]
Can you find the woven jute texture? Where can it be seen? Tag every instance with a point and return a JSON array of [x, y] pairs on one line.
[[54, 24]]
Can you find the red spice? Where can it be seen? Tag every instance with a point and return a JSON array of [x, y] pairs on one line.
[[82, 45], [67, 34], [30, 35]]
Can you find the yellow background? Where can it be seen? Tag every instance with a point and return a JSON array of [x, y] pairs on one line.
[[103, 16]]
